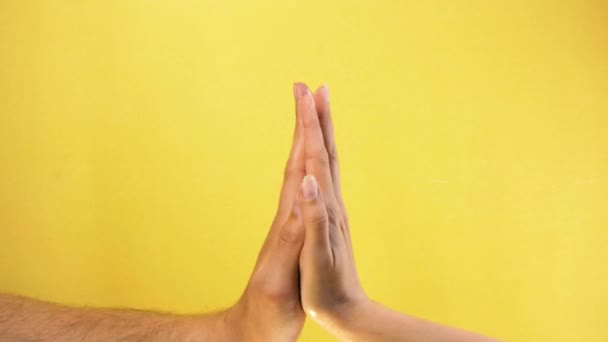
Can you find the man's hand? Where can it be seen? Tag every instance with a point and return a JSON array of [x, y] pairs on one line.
[[270, 308]]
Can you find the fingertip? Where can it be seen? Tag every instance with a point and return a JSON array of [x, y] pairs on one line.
[[307, 108], [322, 92], [322, 99], [299, 89], [306, 95]]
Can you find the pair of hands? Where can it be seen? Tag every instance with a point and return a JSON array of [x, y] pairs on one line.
[[306, 265], [306, 268]]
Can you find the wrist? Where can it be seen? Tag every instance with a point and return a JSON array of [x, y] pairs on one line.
[[354, 322], [231, 324], [344, 318], [215, 327]]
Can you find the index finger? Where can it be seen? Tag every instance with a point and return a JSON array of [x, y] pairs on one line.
[[327, 127], [294, 169], [316, 159]]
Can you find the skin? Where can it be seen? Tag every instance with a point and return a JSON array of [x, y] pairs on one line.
[[329, 278], [28, 320], [306, 267], [269, 309], [331, 291]]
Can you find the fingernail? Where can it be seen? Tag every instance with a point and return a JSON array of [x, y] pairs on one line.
[[299, 89], [310, 188], [325, 88], [306, 95]]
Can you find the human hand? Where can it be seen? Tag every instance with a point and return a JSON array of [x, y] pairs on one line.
[[270, 308], [330, 286]]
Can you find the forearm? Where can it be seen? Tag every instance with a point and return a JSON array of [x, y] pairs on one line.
[[23, 319], [372, 322]]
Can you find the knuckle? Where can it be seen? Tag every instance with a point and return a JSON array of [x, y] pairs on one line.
[[290, 171], [333, 214], [318, 219], [274, 293], [345, 220], [325, 262], [323, 159], [344, 214], [267, 289], [290, 235], [320, 157], [332, 152]]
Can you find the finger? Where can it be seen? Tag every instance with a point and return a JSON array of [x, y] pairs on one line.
[[293, 173], [315, 217], [316, 160], [294, 169], [285, 254], [324, 112]]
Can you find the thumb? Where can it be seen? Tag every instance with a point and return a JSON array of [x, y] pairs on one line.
[[289, 243], [283, 264], [314, 214]]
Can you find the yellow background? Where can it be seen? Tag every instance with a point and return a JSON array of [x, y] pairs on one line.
[[142, 146]]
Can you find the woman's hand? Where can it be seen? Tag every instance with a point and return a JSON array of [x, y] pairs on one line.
[[330, 286], [331, 292]]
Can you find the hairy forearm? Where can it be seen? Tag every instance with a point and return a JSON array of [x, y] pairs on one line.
[[373, 322], [23, 319]]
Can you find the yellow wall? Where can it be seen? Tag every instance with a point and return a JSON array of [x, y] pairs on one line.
[[142, 146]]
